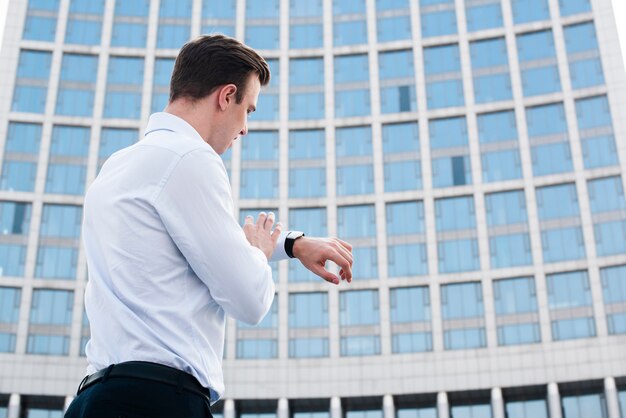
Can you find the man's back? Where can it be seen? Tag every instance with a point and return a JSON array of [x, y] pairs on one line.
[[151, 305]]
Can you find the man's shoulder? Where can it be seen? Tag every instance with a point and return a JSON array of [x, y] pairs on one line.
[[178, 144]]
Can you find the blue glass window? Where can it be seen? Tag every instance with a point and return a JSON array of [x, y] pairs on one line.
[[457, 245], [50, 322], [482, 14], [359, 324], [438, 17], [31, 84], [174, 23], [572, 7], [114, 139], [163, 68], [306, 88], [535, 408], [449, 152], [14, 224], [471, 411], [259, 165], [58, 242], [563, 240], [406, 239], [538, 64], [259, 341], [21, 155], [401, 156], [262, 24], [352, 81], [84, 22], [490, 70], [218, 16], [305, 24], [525, 11], [307, 163], [571, 307], [614, 292], [463, 301], [267, 105], [130, 23], [313, 222], [355, 170], [444, 81], [509, 241], [124, 88], [584, 406], [77, 85], [67, 164], [397, 82], [417, 412], [9, 315], [608, 208], [517, 319], [585, 67], [596, 132], [41, 20], [549, 139], [349, 22], [410, 320], [308, 325], [393, 20], [499, 148], [357, 224]]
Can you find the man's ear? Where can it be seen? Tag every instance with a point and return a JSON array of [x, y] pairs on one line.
[[226, 95]]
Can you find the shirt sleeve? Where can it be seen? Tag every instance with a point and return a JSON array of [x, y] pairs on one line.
[[279, 251], [195, 206]]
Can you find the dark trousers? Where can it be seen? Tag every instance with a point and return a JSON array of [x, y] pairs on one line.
[[123, 397]]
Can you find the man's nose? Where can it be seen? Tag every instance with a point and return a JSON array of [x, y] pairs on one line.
[[244, 131]]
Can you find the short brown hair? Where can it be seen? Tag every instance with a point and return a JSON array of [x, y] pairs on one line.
[[210, 61]]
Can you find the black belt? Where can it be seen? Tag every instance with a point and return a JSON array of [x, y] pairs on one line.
[[147, 371]]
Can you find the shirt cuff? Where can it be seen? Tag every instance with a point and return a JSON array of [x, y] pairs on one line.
[[279, 251]]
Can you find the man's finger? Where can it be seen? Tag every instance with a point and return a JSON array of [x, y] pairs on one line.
[[249, 220], [260, 221], [326, 275], [269, 221], [277, 230], [345, 253], [344, 244]]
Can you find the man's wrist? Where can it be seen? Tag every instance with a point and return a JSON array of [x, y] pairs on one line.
[[290, 241]]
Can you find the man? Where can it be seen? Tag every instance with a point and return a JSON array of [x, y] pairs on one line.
[[167, 259]]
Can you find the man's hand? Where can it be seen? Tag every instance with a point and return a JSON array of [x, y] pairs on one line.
[[314, 252], [260, 234]]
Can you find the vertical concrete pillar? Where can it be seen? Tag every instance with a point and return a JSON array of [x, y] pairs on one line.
[[335, 407], [14, 406], [283, 408], [612, 401], [443, 409], [554, 401], [389, 409], [497, 403], [229, 409]]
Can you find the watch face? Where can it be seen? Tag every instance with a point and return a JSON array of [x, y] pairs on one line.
[[295, 234]]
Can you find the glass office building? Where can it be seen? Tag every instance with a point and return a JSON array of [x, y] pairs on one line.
[[472, 151]]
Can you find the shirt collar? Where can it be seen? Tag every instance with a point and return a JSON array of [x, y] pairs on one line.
[[169, 122]]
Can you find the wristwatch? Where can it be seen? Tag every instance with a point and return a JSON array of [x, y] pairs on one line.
[[290, 239]]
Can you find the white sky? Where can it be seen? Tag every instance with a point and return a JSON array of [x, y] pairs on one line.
[[619, 7]]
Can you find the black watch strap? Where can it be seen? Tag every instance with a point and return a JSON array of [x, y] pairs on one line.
[[290, 239]]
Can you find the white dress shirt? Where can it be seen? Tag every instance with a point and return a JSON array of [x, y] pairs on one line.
[[167, 259]]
